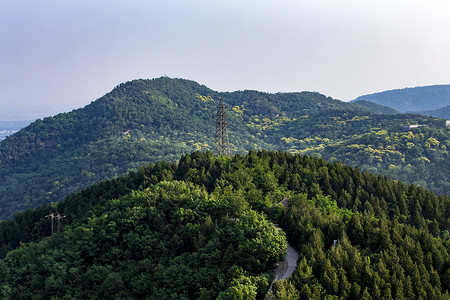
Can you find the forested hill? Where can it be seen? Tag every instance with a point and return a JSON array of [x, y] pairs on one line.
[[443, 112], [412, 99], [377, 108], [200, 229], [9, 127], [145, 121]]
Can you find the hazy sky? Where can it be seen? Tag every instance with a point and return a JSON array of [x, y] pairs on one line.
[[64, 54]]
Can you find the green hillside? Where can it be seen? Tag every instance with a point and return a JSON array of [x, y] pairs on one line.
[[146, 121], [10, 127], [377, 108], [443, 112], [200, 230], [412, 99]]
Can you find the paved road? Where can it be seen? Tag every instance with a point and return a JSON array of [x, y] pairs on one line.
[[287, 267]]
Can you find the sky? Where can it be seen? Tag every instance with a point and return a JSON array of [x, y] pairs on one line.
[[59, 55]]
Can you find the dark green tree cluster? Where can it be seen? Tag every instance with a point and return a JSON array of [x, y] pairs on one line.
[[392, 238], [31, 225], [265, 177], [171, 241], [275, 175], [377, 108], [372, 259]]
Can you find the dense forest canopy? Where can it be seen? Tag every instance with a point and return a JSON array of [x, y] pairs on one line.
[[145, 121], [172, 241], [201, 229]]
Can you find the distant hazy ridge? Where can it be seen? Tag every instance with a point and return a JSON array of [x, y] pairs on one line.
[[415, 99]]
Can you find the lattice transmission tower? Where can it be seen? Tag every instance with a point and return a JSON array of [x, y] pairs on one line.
[[222, 144]]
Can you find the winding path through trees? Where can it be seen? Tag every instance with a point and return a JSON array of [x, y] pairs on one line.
[[285, 268]]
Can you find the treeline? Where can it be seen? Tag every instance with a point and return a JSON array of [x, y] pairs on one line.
[[285, 174], [387, 232]]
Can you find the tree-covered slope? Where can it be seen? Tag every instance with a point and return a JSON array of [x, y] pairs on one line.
[[145, 121], [377, 108], [412, 99], [377, 143], [198, 230], [138, 122], [10, 127], [172, 241], [443, 112]]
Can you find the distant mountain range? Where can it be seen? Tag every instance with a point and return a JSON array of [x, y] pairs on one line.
[[144, 121], [424, 100]]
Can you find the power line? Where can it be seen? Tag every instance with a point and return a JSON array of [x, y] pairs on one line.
[[52, 217], [59, 218], [222, 143]]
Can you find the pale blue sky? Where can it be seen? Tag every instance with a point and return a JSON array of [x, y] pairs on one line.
[[63, 54]]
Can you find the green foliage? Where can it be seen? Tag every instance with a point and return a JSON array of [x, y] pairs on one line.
[[376, 108], [198, 230], [8, 128], [167, 241], [284, 290], [146, 121], [443, 112], [373, 257]]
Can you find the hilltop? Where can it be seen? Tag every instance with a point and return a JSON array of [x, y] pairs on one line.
[[200, 229], [145, 121]]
